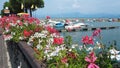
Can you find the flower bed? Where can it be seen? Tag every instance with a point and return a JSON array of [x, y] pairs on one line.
[[43, 43]]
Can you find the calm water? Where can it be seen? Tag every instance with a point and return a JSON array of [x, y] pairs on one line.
[[108, 36]]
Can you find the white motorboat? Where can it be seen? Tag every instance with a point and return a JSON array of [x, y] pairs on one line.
[[56, 24], [75, 25]]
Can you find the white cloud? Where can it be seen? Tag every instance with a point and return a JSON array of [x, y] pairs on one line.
[[76, 4]]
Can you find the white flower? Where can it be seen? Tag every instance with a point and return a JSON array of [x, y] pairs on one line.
[[74, 45], [70, 49], [26, 24], [81, 47], [39, 35], [12, 33], [18, 21], [117, 57], [89, 49], [31, 39], [98, 45], [6, 30], [54, 35], [21, 38], [50, 41], [30, 43], [38, 46], [40, 41], [21, 27], [13, 24], [114, 54], [45, 32], [55, 53], [62, 47], [114, 51]]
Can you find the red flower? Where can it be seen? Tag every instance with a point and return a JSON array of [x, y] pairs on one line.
[[8, 25], [64, 60], [37, 29], [90, 40], [87, 40], [72, 55], [26, 33], [58, 41], [31, 32]]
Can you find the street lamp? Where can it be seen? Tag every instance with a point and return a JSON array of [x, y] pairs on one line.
[[6, 11]]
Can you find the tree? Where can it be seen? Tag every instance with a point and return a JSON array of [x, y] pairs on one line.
[[15, 6], [31, 5]]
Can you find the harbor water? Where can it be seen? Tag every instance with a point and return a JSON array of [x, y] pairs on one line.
[[108, 35]]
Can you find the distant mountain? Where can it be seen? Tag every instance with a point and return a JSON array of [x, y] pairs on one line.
[[79, 15]]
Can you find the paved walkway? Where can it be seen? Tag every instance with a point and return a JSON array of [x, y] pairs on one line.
[[4, 63]]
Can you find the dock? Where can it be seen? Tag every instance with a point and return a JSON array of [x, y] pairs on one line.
[[88, 29]]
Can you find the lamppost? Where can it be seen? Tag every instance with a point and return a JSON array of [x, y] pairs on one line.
[[6, 11]]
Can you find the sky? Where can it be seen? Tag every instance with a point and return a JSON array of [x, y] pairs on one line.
[[1, 3], [53, 7], [80, 6]]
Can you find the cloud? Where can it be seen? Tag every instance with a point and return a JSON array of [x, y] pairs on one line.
[[76, 4]]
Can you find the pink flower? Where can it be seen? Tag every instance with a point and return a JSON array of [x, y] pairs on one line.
[[91, 59], [8, 25], [47, 17], [64, 60], [30, 20], [96, 32], [58, 41], [87, 40], [92, 65], [69, 29], [20, 23], [37, 21], [67, 21], [51, 30]]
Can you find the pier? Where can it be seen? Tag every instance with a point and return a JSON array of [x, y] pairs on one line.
[[88, 29]]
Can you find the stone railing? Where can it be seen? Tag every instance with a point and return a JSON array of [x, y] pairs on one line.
[[22, 55]]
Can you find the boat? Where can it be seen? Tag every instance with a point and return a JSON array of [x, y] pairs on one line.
[[59, 25], [56, 24], [76, 26]]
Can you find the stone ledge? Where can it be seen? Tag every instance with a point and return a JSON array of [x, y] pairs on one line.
[[30, 55]]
